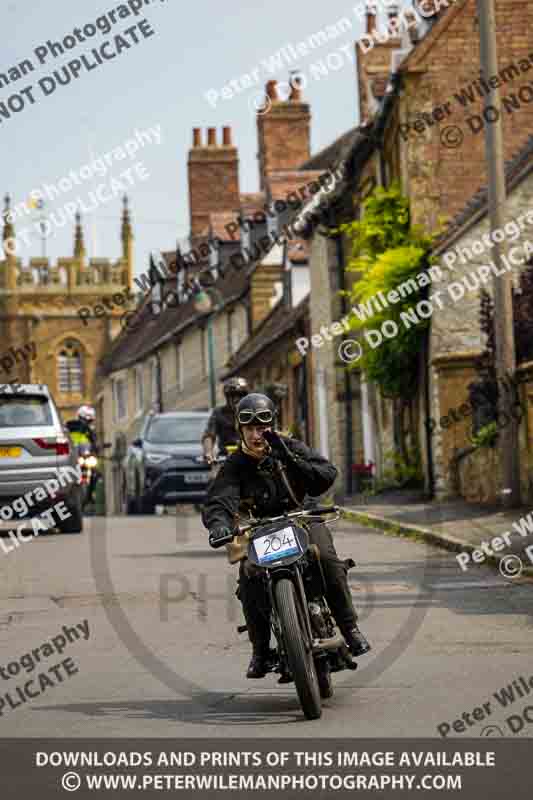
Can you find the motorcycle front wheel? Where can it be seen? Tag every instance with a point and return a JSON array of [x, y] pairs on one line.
[[325, 683], [300, 659]]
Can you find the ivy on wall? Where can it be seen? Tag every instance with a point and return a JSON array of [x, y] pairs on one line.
[[387, 251]]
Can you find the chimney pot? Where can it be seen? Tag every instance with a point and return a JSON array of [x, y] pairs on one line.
[[370, 19], [211, 137], [296, 90], [197, 137], [226, 136], [272, 90]]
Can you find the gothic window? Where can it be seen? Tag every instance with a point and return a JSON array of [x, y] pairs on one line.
[[70, 373]]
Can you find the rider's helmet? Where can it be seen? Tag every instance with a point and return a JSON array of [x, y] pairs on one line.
[[256, 409], [235, 388], [87, 414]]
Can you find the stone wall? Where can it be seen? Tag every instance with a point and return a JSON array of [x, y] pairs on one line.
[[456, 336]]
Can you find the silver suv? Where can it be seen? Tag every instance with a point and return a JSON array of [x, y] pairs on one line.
[[36, 453]]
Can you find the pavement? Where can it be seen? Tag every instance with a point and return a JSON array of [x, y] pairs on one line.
[[454, 525]]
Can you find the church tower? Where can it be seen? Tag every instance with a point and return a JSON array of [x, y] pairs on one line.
[[57, 319]]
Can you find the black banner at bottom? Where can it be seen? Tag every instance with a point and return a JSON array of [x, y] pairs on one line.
[[238, 768]]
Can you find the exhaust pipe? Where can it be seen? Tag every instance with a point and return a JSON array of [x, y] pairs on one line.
[[333, 643]]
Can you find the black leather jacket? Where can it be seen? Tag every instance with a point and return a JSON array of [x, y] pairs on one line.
[[221, 427], [246, 484]]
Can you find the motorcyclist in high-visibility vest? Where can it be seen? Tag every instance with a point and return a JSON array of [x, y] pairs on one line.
[[81, 429], [82, 432]]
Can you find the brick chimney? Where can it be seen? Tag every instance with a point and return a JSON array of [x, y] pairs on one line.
[[283, 131], [213, 177], [374, 61]]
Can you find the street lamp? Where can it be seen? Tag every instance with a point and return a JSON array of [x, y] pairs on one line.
[[209, 302]]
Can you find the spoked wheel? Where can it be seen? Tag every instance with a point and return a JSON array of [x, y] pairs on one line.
[[323, 673], [300, 660]]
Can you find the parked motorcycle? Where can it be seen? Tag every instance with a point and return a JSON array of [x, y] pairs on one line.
[[88, 463], [309, 648]]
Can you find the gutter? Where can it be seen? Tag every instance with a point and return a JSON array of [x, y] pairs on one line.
[[417, 533]]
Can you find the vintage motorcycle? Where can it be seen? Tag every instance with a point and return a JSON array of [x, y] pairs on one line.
[[309, 648]]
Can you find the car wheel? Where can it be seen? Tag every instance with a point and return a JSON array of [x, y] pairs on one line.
[[129, 506], [137, 500], [146, 505], [74, 523]]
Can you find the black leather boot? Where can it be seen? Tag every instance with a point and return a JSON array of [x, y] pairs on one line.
[[356, 641], [259, 664]]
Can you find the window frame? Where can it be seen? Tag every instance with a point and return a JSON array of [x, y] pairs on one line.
[[139, 389], [122, 381], [73, 387]]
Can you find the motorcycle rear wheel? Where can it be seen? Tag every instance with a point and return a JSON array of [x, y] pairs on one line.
[[300, 661]]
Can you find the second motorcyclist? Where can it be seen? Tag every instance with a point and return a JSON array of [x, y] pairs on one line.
[[221, 428], [268, 475], [82, 433]]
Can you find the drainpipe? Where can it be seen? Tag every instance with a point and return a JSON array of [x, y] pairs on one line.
[[427, 414], [159, 383], [348, 405], [322, 402]]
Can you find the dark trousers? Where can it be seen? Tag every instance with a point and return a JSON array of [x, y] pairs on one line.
[[255, 601]]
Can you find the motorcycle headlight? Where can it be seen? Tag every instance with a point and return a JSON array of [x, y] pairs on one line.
[[81, 461], [156, 458], [91, 462]]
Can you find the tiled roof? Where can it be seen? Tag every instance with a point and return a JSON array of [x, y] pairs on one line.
[[279, 322], [251, 202], [284, 183], [218, 222], [334, 153], [147, 331]]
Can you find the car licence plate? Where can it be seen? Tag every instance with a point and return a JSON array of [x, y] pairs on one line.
[[10, 452], [276, 545], [197, 477]]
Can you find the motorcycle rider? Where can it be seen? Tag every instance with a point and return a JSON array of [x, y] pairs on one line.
[[270, 474], [83, 427], [221, 426], [82, 432]]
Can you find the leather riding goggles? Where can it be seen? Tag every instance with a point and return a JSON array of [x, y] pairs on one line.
[[248, 417]]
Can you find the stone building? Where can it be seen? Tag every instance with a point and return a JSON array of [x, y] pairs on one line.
[[39, 305], [421, 120], [456, 342]]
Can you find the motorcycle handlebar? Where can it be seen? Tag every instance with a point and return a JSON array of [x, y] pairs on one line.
[[215, 543], [322, 510], [308, 512]]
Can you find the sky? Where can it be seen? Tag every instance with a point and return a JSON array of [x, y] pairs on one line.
[[183, 51]]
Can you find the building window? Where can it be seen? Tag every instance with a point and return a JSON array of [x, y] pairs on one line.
[[139, 389], [179, 368], [69, 366], [120, 398]]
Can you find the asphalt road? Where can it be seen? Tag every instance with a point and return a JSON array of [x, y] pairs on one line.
[[163, 657]]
